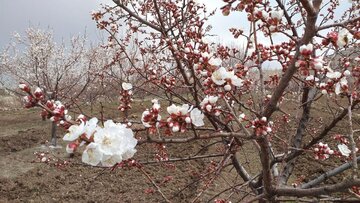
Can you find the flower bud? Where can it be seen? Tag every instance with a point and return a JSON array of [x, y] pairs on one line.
[[208, 107], [175, 128], [242, 116], [38, 93], [347, 73], [71, 147], [217, 113], [227, 87], [24, 87]]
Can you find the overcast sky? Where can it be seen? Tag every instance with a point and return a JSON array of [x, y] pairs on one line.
[[64, 17], [70, 17]]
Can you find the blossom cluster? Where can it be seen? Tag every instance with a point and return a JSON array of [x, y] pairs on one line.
[[151, 117], [338, 39], [343, 146], [33, 97], [125, 97], [323, 77], [271, 19], [53, 110], [322, 151], [177, 121], [180, 116], [106, 145], [261, 126], [227, 79], [208, 104]]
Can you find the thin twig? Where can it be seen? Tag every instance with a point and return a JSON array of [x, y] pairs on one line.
[[154, 184]]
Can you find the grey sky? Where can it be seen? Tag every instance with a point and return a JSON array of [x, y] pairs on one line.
[[71, 17], [64, 17]]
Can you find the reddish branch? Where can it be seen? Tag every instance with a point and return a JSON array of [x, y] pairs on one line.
[[324, 190], [310, 31], [193, 138]]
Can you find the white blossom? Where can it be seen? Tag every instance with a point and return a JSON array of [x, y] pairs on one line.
[[209, 99], [347, 73], [344, 150], [174, 109], [126, 86], [343, 82], [333, 75], [343, 38], [219, 76], [175, 128], [156, 104], [236, 81], [306, 48], [38, 90], [318, 63], [184, 109], [205, 55], [277, 14], [92, 154], [74, 132], [213, 99], [197, 117], [312, 78], [91, 126], [110, 160], [115, 142], [22, 86], [215, 61], [188, 120]]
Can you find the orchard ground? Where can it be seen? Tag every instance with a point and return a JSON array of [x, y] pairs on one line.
[[23, 178]]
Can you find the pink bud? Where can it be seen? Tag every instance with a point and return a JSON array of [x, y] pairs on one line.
[[44, 159], [24, 87], [38, 93], [71, 147], [49, 104]]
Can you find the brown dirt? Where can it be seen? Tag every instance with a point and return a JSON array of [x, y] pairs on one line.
[[24, 179], [23, 133]]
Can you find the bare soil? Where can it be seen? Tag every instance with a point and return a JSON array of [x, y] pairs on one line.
[[23, 178]]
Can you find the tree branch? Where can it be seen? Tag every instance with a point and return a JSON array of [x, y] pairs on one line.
[[141, 20], [328, 174], [325, 190]]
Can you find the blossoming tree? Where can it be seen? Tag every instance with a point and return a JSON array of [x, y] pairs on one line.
[[57, 72], [316, 50]]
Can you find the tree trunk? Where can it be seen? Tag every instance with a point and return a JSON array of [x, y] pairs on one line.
[[53, 134]]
